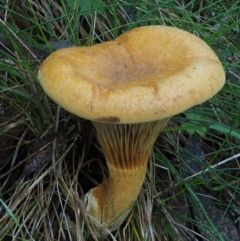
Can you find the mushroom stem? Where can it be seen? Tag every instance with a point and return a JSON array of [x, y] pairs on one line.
[[127, 148], [111, 201]]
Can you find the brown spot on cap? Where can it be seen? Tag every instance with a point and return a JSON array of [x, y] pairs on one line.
[[111, 119]]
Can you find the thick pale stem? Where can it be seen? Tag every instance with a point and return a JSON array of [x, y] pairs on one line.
[[126, 148]]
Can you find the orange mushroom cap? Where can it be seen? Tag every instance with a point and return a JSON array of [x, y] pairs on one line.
[[146, 74]]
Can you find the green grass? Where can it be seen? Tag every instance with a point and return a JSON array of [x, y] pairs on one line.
[[50, 158]]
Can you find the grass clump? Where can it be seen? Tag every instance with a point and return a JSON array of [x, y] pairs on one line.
[[50, 158]]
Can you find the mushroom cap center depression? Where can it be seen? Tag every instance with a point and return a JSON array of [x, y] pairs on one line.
[[115, 64]]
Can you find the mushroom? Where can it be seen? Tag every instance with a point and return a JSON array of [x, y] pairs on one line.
[[129, 88]]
